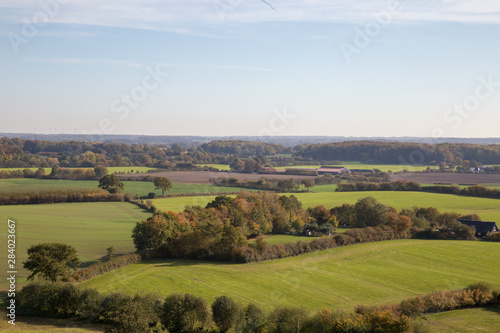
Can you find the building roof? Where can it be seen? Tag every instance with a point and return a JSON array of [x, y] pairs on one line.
[[340, 169], [481, 226]]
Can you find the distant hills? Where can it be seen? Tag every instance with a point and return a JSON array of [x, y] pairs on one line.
[[194, 141]]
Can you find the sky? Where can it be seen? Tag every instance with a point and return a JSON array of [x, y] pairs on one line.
[[251, 67]]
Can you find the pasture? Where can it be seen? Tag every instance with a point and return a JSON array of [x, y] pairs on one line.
[[488, 209], [132, 187], [353, 165], [283, 239], [370, 273], [89, 227], [220, 167], [128, 169], [484, 320]]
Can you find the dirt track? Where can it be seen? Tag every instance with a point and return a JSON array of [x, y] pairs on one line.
[[201, 177], [453, 178]]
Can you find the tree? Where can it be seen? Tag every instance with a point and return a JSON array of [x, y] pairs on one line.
[[308, 183], [224, 313], [40, 173], [155, 232], [100, 170], [162, 183], [370, 213], [319, 213], [52, 261], [185, 313], [255, 319], [110, 252], [111, 183]]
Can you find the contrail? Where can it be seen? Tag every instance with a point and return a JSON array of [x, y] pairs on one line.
[[267, 3]]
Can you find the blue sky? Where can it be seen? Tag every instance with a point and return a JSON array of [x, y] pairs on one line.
[[247, 67]]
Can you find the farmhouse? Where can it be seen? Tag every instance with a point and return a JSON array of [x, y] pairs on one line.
[[332, 170], [481, 227]]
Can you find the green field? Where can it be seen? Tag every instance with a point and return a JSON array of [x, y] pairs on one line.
[[366, 166], [488, 209], [89, 227], [133, 187], [322, 188], [485, 320], [178, 204], [221, 167], [51, 325], [131, 169], [283, 239], [372, 273]]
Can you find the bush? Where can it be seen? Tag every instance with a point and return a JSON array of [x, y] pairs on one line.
[[185, 313], [286, 319], [224, 313]]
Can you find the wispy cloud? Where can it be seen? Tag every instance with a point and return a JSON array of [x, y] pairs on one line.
[[91, 62], [244, 68], [193, 16]]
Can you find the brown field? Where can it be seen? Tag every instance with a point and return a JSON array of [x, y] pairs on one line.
[[452, 178], [202, 177]]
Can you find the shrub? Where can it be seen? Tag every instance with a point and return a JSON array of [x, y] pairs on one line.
[[224, 313], [185, 313]]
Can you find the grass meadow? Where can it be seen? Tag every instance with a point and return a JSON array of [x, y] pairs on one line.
[[220, 167], [370, 273], [367, 166], [132, 187], [89, 227], [488, 209], [484, 320], [130, 169]]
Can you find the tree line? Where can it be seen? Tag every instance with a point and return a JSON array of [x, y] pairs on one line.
[[222, 229], [178, 313], [473, 191], [400, 152]]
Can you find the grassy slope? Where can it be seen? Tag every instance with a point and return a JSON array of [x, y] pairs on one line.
[[133, 187], [360, 165], [468, 320], [50, 325], [221, 167], [89, 227], [384, 272], [283, 239], [488, 209], [132, 169]]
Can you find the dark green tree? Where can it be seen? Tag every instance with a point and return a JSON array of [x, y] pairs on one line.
[[185, 313], [100, 171], [308, 183], [162, 183], [255, 319], [370, 213], [52, 261], [224, 313], [155, 232], [111, 183]]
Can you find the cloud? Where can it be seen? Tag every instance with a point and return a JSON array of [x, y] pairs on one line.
[[83, 61], [245, 68], [194, 16]]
